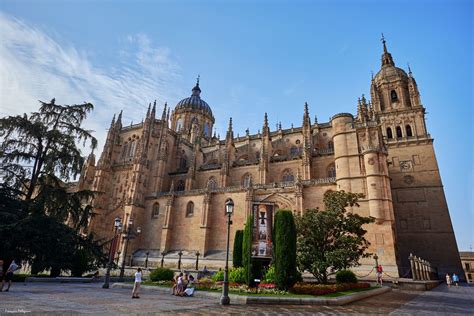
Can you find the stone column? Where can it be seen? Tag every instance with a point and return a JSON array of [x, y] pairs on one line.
[[417, 268]]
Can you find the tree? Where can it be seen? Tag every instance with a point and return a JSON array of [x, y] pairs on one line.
[[246, 250], [284, 249], [39, 155], [332, 239], [237, 251]]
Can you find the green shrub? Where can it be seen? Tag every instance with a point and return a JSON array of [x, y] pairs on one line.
[[218, 276], [237, 252], [237, 275], [346, 276], [161, 274], [285, 249], [81, 263], [270, 275]]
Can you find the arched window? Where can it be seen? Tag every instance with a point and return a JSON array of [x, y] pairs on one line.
[[389, 133], [180, 185], [212, 183], [155, 212], [125, 150], [393, 95], [288, 176], [133, 147], [409, 132], [207, 130], [247, 180], [331, 171], [190, 209], [399, 132], [294, 151], [179, 124], [330, 145], [183, 162]]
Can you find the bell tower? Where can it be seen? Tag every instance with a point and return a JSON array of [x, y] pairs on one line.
[[422, 221]]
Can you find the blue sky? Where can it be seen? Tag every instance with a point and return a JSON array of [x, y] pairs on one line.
[[253, 57]]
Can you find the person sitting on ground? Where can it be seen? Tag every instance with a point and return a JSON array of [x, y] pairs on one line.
[[179, 285], [185, 284], [174, 289], [189, 291]]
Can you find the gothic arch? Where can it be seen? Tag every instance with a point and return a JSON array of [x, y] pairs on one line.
[[281, 202]]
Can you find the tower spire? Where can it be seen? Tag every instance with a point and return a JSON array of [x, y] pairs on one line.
[[306, 118], [409, 70], [153, 110], [386, 56], [163, 115], [118, 124], [230, 132], [196, 90], [113, 121]]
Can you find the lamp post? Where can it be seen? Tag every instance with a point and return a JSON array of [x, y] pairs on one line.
[[197, 260], [229, 209], [128, 235], [376, 258], [117, 226]]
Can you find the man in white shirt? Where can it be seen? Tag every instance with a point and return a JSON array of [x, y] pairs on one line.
[[138, 281]]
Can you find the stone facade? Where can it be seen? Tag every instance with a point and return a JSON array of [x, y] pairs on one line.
[[172, 176]]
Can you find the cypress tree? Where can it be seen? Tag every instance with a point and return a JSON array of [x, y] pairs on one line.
[[246, 250], [237, 252], [285, 249]]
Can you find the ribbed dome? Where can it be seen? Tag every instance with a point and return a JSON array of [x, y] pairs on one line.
[[194, 102], [390, 73]]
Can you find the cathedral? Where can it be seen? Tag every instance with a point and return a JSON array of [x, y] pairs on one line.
[[169, 177]]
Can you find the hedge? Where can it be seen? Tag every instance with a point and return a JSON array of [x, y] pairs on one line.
[[237, 252], [161, 274]]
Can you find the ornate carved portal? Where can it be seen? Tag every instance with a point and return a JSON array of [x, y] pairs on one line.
[[281, 201]]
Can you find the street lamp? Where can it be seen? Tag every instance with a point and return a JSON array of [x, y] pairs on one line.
[[117, 226], [128, 235], [229, 209]]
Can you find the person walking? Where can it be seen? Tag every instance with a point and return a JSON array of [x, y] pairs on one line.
[[379, 275], [9, 275], [455, 279], [138, 281], [448, 280]]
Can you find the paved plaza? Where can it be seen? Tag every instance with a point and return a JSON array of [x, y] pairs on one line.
[[74, 299]]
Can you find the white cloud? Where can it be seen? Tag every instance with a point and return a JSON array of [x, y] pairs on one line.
[[34, 66]]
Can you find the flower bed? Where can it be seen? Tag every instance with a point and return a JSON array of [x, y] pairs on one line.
[[323, 289]]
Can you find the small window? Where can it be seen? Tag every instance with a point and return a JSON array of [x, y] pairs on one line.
[[393, 95], [330, 145], [125, 150], [179, 124], [389, 133], [133, 147], [190, 209], [294, 151], [331, 171], [399, 132], [212, 183], [155, 211], [298, 142], [409, 132], [288, 176], [180, 185]]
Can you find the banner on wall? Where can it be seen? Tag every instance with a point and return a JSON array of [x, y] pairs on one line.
[[262, 239]]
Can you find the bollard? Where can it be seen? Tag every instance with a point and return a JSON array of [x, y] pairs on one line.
[[162, 258], [197, 260], [180, 253], [412, 266]]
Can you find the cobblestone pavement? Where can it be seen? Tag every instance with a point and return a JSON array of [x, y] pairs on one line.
[[74, 299], [457, 300]]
